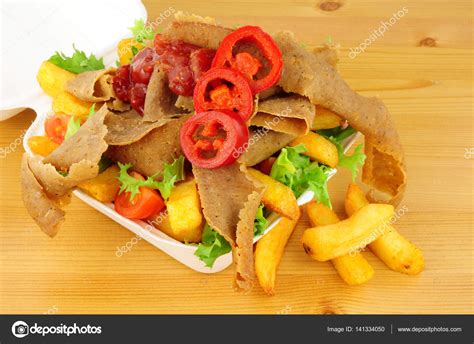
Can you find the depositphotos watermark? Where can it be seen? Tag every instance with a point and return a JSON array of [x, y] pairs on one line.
[[21, 329], [468, 152], [136, 238], [378, 32], [11, 148], [148, 29], [261, 132], [379, 230]]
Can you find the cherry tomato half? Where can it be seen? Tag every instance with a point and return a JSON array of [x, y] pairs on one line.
[[225, 90], [247, 64], [213, 139], [145, 204], [56, 126]]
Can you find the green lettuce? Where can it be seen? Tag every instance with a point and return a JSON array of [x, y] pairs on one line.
[[141, 31], [212, 246], [75, 123], [260, 223], [72, 127], [172, 173], [78, 62], [296, 171], [351, 162], [91, 110]]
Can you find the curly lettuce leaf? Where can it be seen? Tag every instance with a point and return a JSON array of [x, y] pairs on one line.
[[78, 62], [212, 246], [172, 173], [141, 31], [260, 222], [351, 162], [296, 171], [317, 180]]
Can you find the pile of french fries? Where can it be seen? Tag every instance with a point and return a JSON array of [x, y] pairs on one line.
[[368, 225], [340, 241]]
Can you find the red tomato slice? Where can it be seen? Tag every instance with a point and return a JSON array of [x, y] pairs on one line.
[[225, 90], [145, 204], [213, 139], [56, 127], [249, 65]]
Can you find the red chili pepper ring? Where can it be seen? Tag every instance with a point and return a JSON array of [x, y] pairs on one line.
[[247, 64], [213, 139], [223, 89]]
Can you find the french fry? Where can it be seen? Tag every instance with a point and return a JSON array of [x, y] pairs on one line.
[[335, 240], [42, 145], [318, 148], [53, 78], [65, 102], [354, 269], [162, 222], [268, 252], [320, 215], [105, 186], [184, 211], [392, 248], [277, 196], [325, 119]]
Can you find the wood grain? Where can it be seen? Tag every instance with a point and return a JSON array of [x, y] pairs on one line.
[[429, 91]]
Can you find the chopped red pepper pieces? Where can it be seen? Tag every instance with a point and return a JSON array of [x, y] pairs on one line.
[[210, 129], [246, 64], [213, 139], [271, 67], [224, 89]]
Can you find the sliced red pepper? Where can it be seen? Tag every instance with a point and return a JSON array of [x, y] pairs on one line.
[[224, 89], [246, 63], [213, 139]]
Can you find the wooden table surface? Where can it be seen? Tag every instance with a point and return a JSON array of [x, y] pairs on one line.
[[421, 68]]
